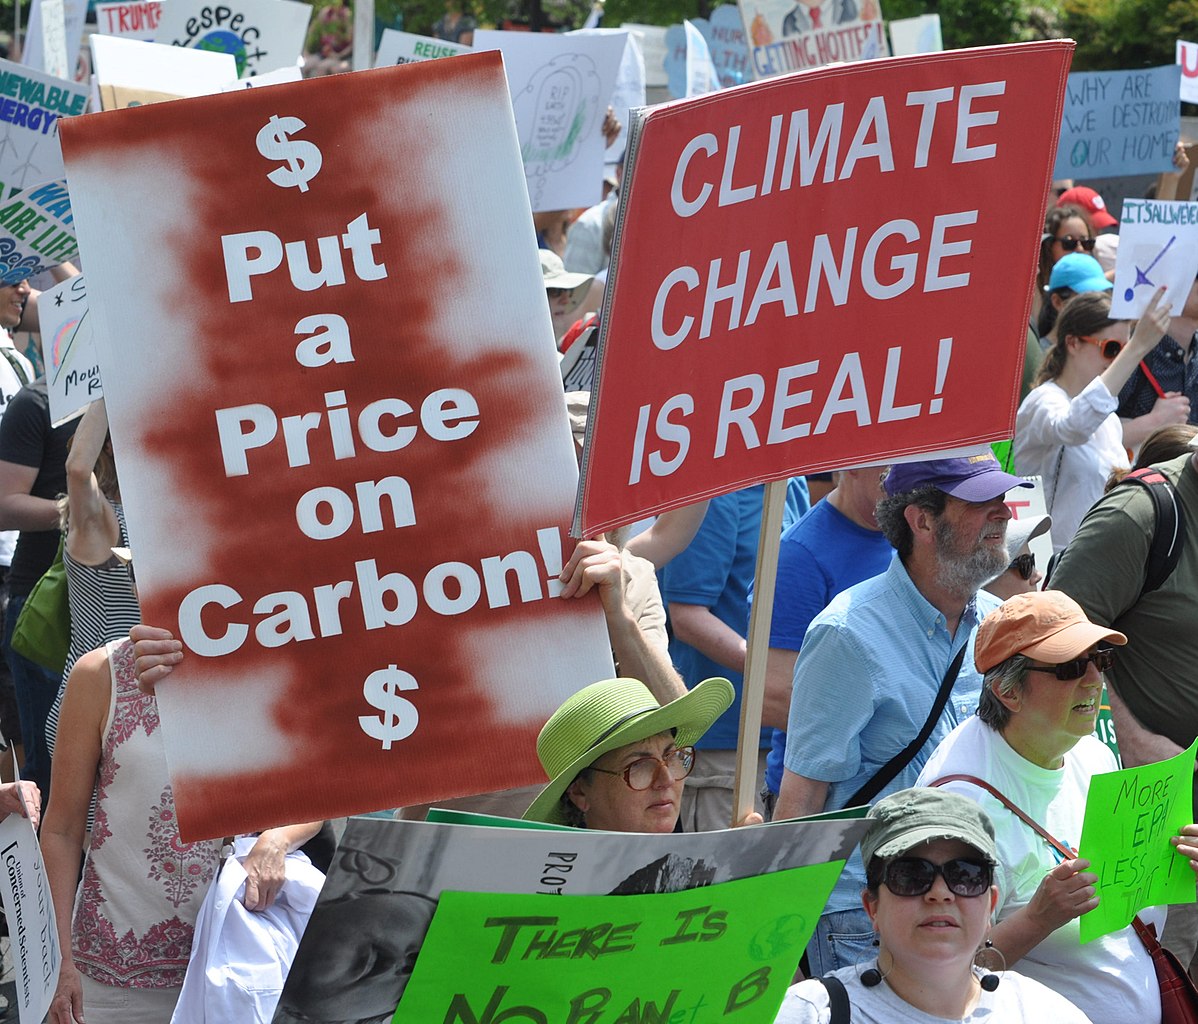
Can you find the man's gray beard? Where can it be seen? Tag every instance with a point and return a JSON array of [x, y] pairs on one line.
[[964, 576]]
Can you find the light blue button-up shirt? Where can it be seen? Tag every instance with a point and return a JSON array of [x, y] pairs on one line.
[[865, 681]]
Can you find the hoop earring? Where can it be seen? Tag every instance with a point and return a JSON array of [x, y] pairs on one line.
[[871, 977], [990, 980]]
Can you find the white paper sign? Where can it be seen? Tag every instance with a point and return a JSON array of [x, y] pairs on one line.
[[72, 367], [130, 64], [561, 86], [1158, 245], [31, 102], [36, 54], [25, 890], [404, 48], [701, 75], [915, 35], [262, 35], [276, 77], [1187, 57], [135, 20], [54, 38], [630, 85]]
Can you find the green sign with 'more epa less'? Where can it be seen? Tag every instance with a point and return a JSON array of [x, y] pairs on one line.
[[725, 952]]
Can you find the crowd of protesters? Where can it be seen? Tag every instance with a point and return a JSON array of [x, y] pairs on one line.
[[915, 664]]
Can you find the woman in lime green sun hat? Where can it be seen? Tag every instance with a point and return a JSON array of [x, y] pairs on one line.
[[618, 759]]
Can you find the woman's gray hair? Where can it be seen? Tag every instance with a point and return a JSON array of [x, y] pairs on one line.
[[1006, 679]]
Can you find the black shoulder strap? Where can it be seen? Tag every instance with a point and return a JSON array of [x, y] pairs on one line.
[[886, 774], [838, 1000], [1168, 535]]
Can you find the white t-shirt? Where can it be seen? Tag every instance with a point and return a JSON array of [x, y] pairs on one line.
[[1084, 434], [1017, 1000], [10, 384], [1112, 979]]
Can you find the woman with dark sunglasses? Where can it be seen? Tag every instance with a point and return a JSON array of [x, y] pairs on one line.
[[930, 860], [1066, 430], [1030, 749], [1066, 229]]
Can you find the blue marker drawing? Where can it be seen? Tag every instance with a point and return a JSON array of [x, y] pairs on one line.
[[1142, 275]]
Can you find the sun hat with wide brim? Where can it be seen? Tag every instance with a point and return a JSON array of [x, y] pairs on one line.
[[608, 715]]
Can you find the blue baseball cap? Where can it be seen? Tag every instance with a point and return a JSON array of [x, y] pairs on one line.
[[1079, 272], [975, 478]]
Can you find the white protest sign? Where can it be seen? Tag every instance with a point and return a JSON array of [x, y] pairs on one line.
[[404, 48], [262, 35], [560, 87], [32, 931], [701, 75], [1187, 57], [54, 38], [72, 367], [915, 35], [630, 84], [276, 77], [71, 19], [137, 19], [1158, 246], [129, 72], [31, 102], [37, 231]]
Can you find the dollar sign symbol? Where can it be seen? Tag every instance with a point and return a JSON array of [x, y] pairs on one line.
[[303, 158], [399, 715]]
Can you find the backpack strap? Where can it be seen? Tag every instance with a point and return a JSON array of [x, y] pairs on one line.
[[1168, 535], [838, 1000]]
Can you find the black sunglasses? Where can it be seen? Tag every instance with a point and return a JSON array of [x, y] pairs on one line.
[[1067, 671], [1070, 244], [914, 876], [1025, 565]]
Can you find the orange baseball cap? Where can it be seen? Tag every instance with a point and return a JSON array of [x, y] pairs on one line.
[[1046, 625]]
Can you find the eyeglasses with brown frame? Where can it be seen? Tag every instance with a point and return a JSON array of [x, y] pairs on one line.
[[639, 775]]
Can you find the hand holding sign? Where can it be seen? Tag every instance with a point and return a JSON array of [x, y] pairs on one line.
[[1066, 892]]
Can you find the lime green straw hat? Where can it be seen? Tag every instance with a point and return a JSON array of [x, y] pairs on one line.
[[608, 715]]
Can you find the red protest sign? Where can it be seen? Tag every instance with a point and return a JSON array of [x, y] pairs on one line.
[[344, 454], [821, 270]]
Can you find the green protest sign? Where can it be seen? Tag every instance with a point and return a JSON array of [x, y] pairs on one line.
[[726, 951], [1130, 815]]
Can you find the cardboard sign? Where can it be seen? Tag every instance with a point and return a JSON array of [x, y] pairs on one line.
[[29, 910], [31, 103], [790, 35], [1130, 816], [37, 231], [404, 48], [262, 35], [137, 19], [374, 483], [806, 276], [560, 88], [276, 77], [1158, 246], [1187, 58], [386, 880], [729, 949], [72, 368], [130, 73], [1119, 122]]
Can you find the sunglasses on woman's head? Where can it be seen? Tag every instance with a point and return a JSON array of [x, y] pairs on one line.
[[914, 876], [1110, 347], [1025, 565], [1070, 244], [1067, 671]]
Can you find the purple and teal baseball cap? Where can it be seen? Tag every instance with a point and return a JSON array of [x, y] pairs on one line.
[[974, 478]]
